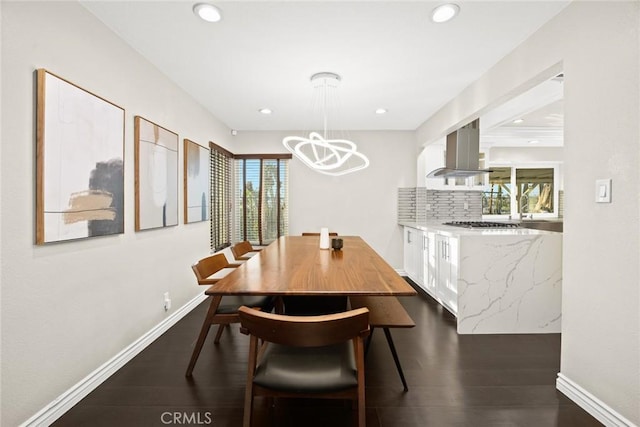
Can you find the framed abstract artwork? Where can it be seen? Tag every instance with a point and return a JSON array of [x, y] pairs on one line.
[[79, 162], [156, 175], [196, 182]]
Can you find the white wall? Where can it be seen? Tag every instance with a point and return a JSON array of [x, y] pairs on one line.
[[525, 154], [597, 46], [1, 239], [362, 203], [67, 308]]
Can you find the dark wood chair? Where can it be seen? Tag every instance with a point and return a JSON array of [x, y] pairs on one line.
[[306, 357], [241, 249], [209, 271]]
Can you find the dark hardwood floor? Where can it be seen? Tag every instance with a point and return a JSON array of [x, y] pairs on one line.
[[454, 380]]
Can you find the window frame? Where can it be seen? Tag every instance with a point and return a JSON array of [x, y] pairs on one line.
[[514, 214], [240, 231]]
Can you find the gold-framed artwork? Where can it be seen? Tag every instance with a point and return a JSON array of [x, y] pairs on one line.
[[156, 175], [79, 162], [196, 182]]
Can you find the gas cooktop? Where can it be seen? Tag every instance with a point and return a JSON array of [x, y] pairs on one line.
[[482, 224]]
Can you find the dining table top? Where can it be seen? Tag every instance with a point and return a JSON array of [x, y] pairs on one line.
[[295, 265]]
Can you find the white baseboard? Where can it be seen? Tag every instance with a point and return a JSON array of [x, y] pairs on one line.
[[401, 272], [54, 410], [594, 406]]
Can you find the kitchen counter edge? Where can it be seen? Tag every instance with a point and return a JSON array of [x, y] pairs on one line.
[[448, 230]]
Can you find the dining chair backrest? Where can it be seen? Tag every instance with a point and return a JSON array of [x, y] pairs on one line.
[[241, 248], [305, 331], [328, 361], [208, 266]]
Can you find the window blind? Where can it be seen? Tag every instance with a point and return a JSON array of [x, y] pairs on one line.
[[221, 197]]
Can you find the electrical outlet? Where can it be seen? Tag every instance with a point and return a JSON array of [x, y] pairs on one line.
[[167, 301], [466, 206]]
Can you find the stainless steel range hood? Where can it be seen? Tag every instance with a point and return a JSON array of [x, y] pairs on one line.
[[463, 152]]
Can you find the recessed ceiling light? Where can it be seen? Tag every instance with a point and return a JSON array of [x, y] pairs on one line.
[[533, 141], [265, 111], [207, 11], [444, 12], [516, 121], [381, 111]]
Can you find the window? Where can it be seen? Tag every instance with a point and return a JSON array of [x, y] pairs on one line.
[[221, 197], [261, 197], [535, 190], [520, 191], [497, 199]]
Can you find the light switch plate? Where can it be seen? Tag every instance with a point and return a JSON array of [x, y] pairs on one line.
[[603, 190]]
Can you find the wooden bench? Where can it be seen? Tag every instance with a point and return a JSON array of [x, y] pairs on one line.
[[385, 312]]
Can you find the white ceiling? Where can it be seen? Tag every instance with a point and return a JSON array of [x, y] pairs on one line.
[[542, 114], [262, 54]]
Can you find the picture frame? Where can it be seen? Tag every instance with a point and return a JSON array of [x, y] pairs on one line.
[[156, 175], [79, 162], [197, 205]]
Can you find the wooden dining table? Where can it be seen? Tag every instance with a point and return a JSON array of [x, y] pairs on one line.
[[295, 265]]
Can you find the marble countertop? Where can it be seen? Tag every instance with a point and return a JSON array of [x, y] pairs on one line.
[[461, 231]]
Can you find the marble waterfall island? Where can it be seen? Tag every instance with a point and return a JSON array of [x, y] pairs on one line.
[[510, 283], [495, 281]]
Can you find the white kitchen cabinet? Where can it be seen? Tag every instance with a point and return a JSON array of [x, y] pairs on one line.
[[429, 259], [410, 267], [419, 258], [414, 254], [446, 271]]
